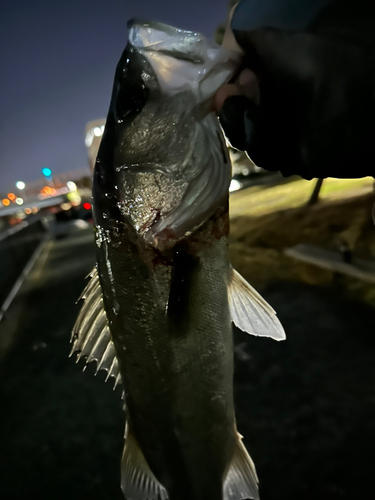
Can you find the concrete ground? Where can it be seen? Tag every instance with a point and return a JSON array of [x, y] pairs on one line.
[[305, 406]]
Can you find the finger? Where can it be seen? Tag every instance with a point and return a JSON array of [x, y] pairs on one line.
[[224, 92], [249, 84]]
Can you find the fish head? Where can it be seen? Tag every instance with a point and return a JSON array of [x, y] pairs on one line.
[[162, 165]]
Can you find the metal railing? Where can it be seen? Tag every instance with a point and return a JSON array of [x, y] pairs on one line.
[[19, 248]]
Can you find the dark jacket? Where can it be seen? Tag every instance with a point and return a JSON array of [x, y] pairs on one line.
[[315, 64]]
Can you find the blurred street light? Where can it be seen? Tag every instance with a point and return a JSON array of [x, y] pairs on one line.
[[46, 172], [6, 202], [20, 185], [11, 196], [19, 201], [47, 191], [93, 134]]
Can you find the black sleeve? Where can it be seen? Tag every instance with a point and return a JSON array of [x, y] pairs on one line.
[[317, 95]]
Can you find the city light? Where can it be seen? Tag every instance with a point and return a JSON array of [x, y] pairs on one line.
[[74, 198], [66, 206], [48, 191], [28, 211], [20, 185], [47, 172], [11, 196], [89, 138], [6, 202], [71, 185], [87, 206], [19, 201], [92, 133]]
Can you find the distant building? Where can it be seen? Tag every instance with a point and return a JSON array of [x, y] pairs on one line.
[[93, 135]]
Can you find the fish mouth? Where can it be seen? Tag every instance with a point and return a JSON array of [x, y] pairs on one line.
[[156, 25], [153, 36]]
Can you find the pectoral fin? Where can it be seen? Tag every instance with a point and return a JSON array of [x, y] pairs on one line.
[[91, 336], [137, 480], [242, 480], [250, 312]]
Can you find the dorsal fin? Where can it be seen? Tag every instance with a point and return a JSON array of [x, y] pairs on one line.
[[250, 312], [91, 336]]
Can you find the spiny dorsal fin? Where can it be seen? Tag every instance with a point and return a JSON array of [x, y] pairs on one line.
[[137, 480], [250, 312], [242, 480], [91, 336]]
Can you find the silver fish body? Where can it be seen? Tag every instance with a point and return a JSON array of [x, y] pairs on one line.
[[158, 310]]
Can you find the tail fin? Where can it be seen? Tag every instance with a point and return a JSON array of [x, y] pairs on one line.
[[242, 480]]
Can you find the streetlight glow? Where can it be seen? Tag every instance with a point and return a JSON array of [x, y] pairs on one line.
[[20, 185], [19, 201], [46, 172]]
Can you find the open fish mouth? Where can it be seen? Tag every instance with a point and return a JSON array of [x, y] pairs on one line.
[[154, 36], [183, 58]]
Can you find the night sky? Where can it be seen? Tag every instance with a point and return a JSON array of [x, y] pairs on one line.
[[57, 64]]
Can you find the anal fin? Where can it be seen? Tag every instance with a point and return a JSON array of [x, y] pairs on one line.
[[242, 480], [137, 480]]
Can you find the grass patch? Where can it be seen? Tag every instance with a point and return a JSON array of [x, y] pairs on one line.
[[267, 219]]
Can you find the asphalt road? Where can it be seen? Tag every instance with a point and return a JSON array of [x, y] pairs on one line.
[[305, 406]]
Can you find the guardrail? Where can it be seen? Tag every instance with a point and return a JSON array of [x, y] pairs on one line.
[[19, 248]]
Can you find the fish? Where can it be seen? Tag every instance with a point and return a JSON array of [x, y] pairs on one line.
[[158, 310]]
